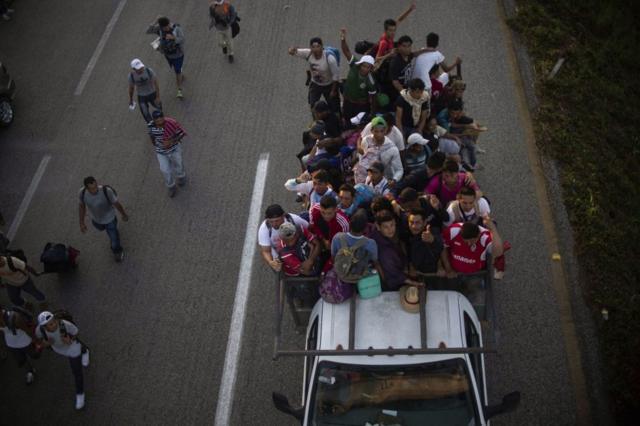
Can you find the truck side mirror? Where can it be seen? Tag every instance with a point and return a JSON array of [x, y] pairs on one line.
[[281, 403], [509, 403]]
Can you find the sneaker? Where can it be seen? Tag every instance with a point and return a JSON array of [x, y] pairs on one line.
[[179, 95], [172, 191], [224, 50], [119, 256], [182, 181], [498, 275], [11, 10], [480, 150], [6, 17], [230, 57], [31, 377], [79, 401], [85, 358]]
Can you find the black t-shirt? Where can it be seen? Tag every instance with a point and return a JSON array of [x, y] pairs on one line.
[[400, 69], [407, 111], [332, 125]]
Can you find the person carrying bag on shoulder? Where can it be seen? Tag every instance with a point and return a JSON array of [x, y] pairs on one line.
[[225, 19]]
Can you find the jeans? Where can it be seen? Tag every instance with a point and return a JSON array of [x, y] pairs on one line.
[[112, 232], [76, 369], [144, 102], [468, 147], [27, 287], [170, 165], [225, 39]]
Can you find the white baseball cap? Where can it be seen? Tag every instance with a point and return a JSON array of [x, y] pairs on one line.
[[416, 138], [137, 64], [44, 317], [366, 59]]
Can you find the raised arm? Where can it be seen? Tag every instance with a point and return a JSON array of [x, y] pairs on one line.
[[343, 44], [406, 13]]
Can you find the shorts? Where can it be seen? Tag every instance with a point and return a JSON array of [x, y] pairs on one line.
[[176, 63]]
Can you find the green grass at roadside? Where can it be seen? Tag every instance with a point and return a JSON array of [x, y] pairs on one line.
[[587, 120]]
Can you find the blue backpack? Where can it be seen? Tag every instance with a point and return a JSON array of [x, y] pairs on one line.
[[333, 51]]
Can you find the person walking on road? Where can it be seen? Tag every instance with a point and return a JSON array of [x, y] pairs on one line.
[[62, 336], [143, 80], [16, 274], [225, 19], [102, 201], [171, 46], [17, 337], [166, 135]]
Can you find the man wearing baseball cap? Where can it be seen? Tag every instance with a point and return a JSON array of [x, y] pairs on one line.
[[62, 336], [359, 87], [143, 79]]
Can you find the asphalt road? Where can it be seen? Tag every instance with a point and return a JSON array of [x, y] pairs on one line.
[[158, 323]]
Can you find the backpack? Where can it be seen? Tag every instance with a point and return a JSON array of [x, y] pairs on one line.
[[351, 263], [333, 51], [332, 290], [104, 191], [9, 318]]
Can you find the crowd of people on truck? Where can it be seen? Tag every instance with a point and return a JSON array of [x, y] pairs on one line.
[[387, 183], [28, 329]]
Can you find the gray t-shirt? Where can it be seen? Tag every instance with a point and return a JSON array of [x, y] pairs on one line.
[[100, 210], [143, 81]]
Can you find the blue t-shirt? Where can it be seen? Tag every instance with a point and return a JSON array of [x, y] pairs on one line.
[[370, 246]]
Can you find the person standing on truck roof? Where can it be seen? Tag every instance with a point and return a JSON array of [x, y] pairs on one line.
[[360, 87], [101, 201], [386, 42], [425, 62], [325, 72]]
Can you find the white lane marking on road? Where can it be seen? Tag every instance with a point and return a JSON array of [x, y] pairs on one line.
[[24, 205], [229, 371], [96, 54]]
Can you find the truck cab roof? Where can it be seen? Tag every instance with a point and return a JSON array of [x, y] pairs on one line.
[[381, 323]]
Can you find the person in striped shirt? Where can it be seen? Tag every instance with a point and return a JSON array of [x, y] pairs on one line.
[[166, 135]]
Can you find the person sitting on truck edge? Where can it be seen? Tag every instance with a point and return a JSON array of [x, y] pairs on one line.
[[268, 236], [298, 251]]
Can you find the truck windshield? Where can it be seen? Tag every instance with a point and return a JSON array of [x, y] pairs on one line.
[[437, 393]]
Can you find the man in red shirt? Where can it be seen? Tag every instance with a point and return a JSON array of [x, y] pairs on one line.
[[326, 220], [386, 42], [466, 246], [298, 250]]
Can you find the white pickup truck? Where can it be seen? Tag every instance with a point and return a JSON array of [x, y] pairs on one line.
[[369, 362]]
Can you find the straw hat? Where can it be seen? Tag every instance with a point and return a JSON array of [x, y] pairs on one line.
[[410, 299]]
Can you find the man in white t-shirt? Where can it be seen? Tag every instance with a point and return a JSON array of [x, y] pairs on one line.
[[18, 340], [268, 237], [62, 336], [324, 73], [426, 61]]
